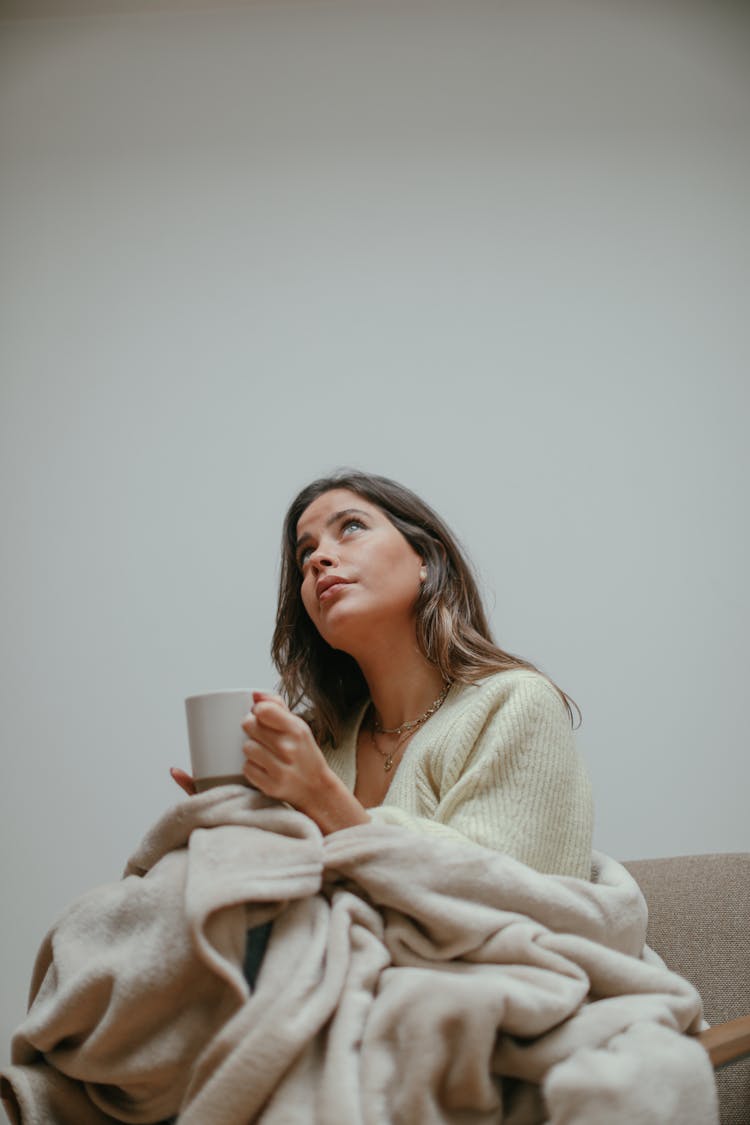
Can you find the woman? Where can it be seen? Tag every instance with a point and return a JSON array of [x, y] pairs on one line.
[[412, 715]]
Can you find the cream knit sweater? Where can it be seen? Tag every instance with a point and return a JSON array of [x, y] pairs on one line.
[[497, 764]]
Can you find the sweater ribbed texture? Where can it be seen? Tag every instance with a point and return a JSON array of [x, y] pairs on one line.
[[496, 764]]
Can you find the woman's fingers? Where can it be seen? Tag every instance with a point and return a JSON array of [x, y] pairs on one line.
[[260, 767], [276, 716], [270, 715], [259, 755], [283, 759], [184, 780], [267, 702]]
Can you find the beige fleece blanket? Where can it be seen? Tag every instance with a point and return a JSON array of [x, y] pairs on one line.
[[409, 980]]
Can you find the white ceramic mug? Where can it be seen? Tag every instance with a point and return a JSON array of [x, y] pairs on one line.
[[216, 737]]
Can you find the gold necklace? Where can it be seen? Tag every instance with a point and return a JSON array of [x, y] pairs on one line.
[[389, 755], [405, 731], [412, 724]]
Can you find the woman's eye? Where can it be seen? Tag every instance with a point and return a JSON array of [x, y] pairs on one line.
[[348, 525]]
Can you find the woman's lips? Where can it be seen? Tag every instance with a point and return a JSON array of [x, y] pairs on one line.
[[331, 591]]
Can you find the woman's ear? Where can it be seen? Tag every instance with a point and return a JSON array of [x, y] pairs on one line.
[[423, 573]]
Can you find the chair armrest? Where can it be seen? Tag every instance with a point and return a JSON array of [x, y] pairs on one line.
[[726, 1041]]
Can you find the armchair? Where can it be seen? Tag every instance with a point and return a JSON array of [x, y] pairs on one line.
[[699, 923]]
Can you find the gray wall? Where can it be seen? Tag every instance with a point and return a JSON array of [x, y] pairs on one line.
[[497, 251]]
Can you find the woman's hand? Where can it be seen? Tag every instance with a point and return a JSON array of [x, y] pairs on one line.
[[283, 760]]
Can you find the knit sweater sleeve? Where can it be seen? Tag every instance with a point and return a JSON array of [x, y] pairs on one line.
[[506, 774]]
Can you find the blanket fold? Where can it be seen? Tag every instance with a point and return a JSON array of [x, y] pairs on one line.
[[407, 980]]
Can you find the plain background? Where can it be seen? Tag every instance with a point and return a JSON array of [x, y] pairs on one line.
[[498, 251]]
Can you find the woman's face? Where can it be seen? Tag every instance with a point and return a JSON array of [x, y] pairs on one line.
[[359, 573]]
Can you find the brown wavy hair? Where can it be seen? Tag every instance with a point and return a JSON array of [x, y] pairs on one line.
[[326, 685]]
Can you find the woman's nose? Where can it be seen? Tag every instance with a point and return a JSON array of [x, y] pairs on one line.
[[323, 558]]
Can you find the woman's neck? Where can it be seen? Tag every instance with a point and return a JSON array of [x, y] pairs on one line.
[[402, 685]]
